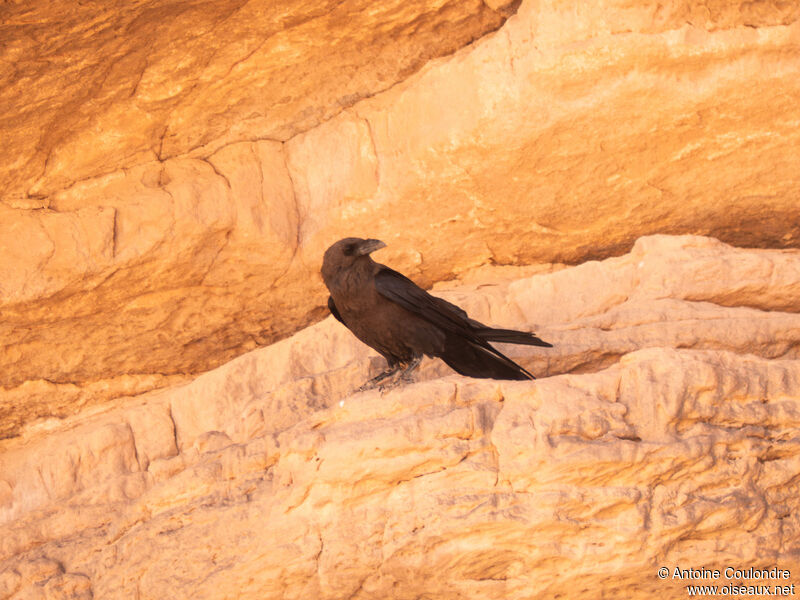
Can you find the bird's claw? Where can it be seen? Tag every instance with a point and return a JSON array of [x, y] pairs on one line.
[[376, 381], [399, 372]]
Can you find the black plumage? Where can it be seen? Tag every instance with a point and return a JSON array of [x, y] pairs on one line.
[[391, 314]]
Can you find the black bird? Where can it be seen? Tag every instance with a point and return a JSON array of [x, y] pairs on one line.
[[391, 314]]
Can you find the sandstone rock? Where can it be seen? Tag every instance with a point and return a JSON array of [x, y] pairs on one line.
[[661, 432], [173, 173], [114, 86]]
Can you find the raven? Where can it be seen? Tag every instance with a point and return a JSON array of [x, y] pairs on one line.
[[391, 314]]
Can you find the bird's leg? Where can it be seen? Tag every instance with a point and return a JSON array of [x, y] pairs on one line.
[[400, 371], [403, 374], [375, 381], [410, 367]]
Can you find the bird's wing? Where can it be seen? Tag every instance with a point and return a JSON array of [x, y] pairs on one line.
[[469, 353], [400, 289], [334, 311]]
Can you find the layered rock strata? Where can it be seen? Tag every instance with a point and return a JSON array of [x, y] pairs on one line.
[[174, 170], [662, 432]]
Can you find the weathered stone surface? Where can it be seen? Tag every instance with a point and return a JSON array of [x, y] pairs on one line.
[[94, 88], [173, 171], [661, 432]]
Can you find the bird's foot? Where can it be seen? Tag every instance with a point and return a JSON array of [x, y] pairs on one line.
[[405, 374], [376, 381], [402, 375], [391, 377]]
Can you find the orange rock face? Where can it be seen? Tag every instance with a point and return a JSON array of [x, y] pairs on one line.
[[95, 89], [659, 434], [175, 420], [173, 172]]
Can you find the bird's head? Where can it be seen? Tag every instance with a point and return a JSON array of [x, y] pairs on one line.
[[347, 252]]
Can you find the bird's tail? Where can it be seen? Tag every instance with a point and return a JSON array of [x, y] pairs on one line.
[[468, 358], [511, 336]]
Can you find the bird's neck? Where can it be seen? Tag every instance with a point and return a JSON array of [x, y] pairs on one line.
[[354, 280]]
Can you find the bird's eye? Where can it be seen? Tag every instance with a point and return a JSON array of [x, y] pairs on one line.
[[350, 249]]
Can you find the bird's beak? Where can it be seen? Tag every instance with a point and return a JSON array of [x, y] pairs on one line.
[[370, 246]]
